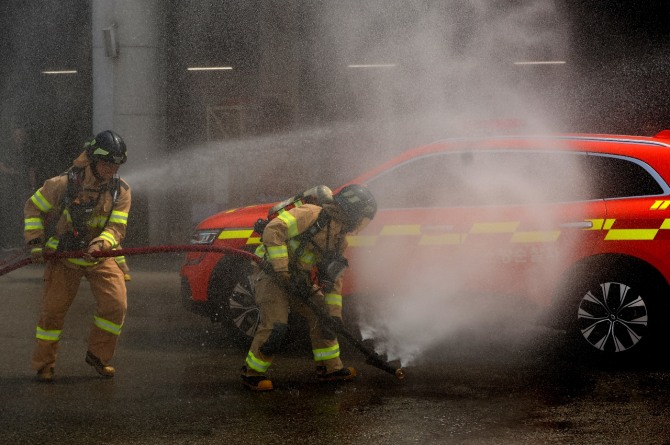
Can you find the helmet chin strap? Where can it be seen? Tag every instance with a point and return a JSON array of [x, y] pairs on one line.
[[94, 169]]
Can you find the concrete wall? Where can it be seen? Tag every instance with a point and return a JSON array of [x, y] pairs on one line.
[[128, 92]]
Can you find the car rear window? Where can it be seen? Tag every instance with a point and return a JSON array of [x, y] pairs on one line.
[[616, 177], [476, 178]]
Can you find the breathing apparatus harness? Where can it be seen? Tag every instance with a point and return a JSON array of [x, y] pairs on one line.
[[80, 212], [332, 264]]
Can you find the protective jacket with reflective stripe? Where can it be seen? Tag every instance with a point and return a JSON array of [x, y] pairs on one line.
[[48, 198], [281, 240]]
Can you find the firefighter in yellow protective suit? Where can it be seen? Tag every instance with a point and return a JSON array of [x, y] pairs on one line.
[[91, 204], [305, 247]]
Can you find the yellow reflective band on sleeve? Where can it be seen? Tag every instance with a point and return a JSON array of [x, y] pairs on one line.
[[257, 364], [260, 251], [40, 202], [308, 257], [119, 217], [35, 250], [82, 262], [326, 353], [44, 334], [536, 237], [631, 234], [334, 299], [109, 238], [291, 223], [120, 259], [52, 243], [277, 252], [33, 224], [107, 325]]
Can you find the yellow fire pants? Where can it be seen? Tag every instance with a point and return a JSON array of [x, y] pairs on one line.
[[61, 283], [274, 304]]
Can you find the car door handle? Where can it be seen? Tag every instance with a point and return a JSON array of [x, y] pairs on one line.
[[576, 225]]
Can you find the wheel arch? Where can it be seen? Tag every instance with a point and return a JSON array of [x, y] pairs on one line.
[[560, 314], [222, 280]]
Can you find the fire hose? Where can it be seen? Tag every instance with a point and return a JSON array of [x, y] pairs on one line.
[[373, 358]]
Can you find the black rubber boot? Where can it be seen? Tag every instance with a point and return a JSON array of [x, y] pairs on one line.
[[256, 382], [342, 375], [103, 369]]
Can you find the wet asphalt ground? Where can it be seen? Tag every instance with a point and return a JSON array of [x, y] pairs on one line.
[[177, 383]]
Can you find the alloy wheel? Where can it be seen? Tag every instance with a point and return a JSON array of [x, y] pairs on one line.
[[242, 310], [613, 317]]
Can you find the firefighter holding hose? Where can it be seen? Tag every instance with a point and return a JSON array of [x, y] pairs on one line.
[[90, 204], [304, 247]]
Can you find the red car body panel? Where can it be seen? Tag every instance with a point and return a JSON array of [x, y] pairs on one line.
[[512, 249]]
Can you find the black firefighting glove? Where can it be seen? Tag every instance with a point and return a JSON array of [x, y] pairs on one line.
[[287, 282], [283, 279]]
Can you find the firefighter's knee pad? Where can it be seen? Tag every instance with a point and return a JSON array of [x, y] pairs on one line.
[[274, 341]]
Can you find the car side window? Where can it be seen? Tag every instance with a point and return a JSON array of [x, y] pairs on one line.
[[477, 178], [428, 181], [616, 177], [509, 177]]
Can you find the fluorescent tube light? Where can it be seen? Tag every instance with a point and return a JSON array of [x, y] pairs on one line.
[[209, 68], [373, 65], [60, 72], [542, 62]]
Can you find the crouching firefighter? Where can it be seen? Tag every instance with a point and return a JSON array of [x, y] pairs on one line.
[[90, 205], [304, 248]]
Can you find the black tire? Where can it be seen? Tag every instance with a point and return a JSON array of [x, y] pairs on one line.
[[616, 312], [232, 297]]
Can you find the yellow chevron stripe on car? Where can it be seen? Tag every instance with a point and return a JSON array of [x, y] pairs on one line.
[[254, 240], [631, 234], [447, 238], [495, 227], [601, 224], [362, 240], [405, 229], [536, 237], [236, 234], [660, 205], [510, 227]]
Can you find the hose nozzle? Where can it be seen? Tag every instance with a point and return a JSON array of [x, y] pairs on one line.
[[399, 374]]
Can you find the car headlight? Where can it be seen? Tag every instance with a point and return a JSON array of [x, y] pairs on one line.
[[205, 236]]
